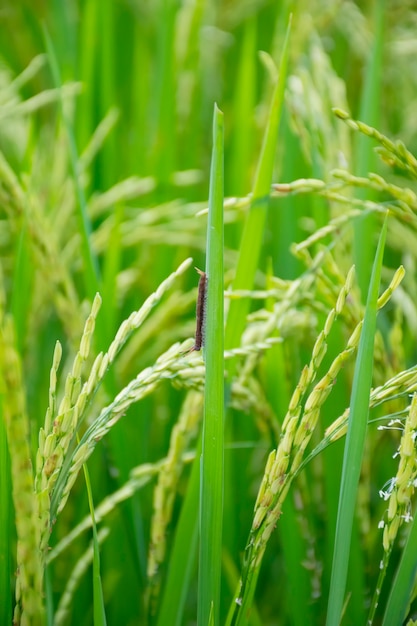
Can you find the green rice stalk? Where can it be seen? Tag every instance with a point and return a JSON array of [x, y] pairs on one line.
[[98, 599], [183, 553], [164, 494], [63, 610]]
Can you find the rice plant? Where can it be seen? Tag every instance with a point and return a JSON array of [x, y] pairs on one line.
[[239, 450]]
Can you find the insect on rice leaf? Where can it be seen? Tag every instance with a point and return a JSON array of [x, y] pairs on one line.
[[200, 313]]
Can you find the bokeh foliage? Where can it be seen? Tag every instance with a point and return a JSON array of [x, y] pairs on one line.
[[105, 145]]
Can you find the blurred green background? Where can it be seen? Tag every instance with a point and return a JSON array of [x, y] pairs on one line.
[[129, 141]]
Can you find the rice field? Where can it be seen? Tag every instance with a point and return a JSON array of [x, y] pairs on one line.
[[233, 445]]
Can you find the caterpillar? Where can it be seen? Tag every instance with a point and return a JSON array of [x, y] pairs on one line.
[[200, 313]]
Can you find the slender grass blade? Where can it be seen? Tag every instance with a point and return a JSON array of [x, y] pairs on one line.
[[212, 460], [355, 442]]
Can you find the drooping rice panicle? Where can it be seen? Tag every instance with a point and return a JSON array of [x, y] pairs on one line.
[[60, 424], [297, 429], [296, 432], [406, 197], [168, 366], [165, 367], [399, 384], [398, 493], [64, 423], [77, 395], [276, 479], [393, 153], [402, 487], [29, 607]]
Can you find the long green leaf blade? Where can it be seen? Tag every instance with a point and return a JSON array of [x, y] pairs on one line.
[[183, 553], [211, 504], [255, 223], [355, 442]]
